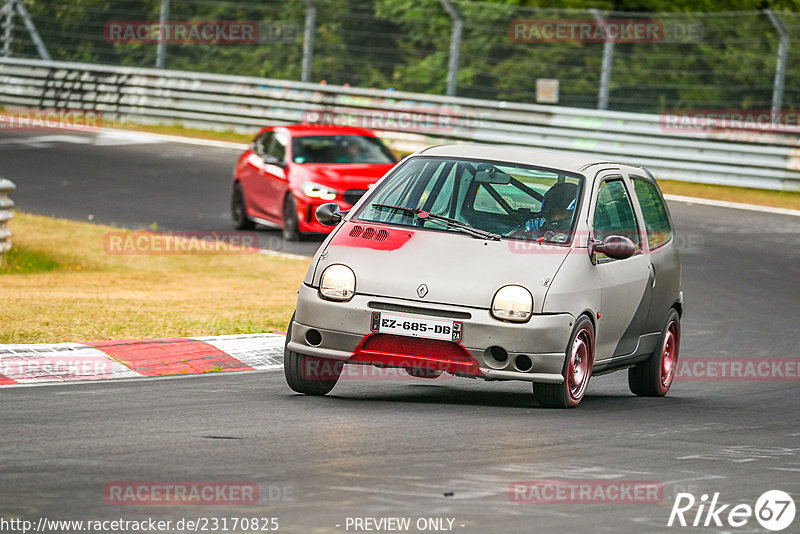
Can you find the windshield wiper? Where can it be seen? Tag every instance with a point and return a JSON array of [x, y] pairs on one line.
[[452, 223]]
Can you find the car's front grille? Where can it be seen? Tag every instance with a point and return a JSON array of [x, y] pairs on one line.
[[351, 196], [416, 347]]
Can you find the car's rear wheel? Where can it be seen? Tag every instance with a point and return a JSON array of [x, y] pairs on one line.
[[239, 211], [654, 376], [307, 374], [576, 372], [291, 225], [423, 373]]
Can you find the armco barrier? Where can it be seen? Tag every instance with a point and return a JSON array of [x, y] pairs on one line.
[[734, 156], [6, 206]]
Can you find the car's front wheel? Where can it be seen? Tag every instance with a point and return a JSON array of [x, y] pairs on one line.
[[291, 225], [653, 377], [307, 374], [576, 372], [239, 211]]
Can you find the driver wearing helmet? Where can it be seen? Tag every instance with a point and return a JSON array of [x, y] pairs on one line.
[[558, 206]]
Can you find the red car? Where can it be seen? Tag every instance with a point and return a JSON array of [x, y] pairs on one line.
[[289, 171]]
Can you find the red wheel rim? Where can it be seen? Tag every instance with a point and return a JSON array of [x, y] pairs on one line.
[[669, 356], [579, 367]]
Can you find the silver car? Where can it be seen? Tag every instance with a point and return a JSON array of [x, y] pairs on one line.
[[496, 263]]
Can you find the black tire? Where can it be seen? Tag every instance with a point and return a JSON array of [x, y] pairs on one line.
[[423, 373], [577, 366], [239, 211], [291, 226], [654, 376], [307, 374]]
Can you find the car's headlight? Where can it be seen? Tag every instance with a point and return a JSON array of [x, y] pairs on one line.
[[310, 189], [338, 283], [512, 303]]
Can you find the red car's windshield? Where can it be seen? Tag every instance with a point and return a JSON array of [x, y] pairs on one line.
[[340, 149]]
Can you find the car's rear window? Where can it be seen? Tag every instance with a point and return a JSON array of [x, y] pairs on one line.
[[656, 219], [340, 149], [511, 200]]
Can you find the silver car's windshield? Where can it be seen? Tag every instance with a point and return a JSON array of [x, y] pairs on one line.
[[500, 198]]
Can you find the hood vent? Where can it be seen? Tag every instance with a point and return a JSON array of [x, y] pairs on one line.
[[369, 233]]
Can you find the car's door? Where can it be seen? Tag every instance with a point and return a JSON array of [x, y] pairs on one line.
[[664, 261], [623, 282], [269, 189], [251, 173]]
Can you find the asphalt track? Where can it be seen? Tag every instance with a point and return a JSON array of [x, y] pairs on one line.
[[405, 448]]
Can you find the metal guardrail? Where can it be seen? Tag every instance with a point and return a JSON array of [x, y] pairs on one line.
[[740, 157], [6, 213]]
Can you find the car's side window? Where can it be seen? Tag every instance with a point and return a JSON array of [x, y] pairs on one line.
[[613, 214], [261, 144], [656, 220], [278, 147]]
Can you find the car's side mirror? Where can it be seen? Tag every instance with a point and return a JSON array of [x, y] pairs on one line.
[[330, 214], [614, 246]]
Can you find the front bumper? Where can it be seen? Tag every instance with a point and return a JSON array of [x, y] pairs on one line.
[[344, 328]]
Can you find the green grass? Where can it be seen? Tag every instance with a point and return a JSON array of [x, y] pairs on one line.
[[60, 282], [22, 261]]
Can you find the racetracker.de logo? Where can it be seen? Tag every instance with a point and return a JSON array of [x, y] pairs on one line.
[[715, 120], [49, 118], [412, 119], [326, 369], [180, 493], [585, 492], [198, 32], [172, 243], [586, 31], [738, 369], [45, 367]]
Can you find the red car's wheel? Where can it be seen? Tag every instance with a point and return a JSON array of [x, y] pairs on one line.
[[577, 370], [654, 376], [291, 225], [239, 211]]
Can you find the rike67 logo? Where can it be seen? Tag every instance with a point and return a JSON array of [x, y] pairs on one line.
[[774, 510]]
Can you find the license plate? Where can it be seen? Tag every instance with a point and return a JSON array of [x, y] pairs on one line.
[[410, 325]]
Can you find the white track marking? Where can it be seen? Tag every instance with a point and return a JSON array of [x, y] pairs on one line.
[[59, 362], [259, 351], [180, 139], [733, 205]]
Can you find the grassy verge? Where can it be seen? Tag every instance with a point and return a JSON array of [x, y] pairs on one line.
[[58, 284], [175, 129]]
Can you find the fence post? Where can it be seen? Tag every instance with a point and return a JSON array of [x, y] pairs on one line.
[[7, 12], [455, 46], [37, 39], [608, 56], [308, 39], [780, 67], [6, 204], [161, 51]]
